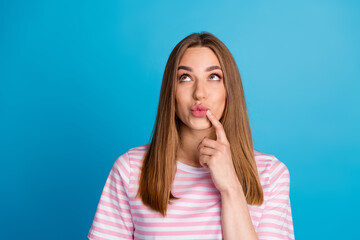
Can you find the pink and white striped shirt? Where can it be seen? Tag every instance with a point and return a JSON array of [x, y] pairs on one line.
[[197, 214]]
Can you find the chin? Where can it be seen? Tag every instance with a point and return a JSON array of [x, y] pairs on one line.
[[200, 126]]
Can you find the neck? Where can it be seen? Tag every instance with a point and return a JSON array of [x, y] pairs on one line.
[[190, 139]]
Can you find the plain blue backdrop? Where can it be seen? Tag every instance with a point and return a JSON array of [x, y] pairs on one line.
[[80, 82]]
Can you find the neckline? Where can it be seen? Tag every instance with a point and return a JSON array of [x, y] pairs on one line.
[[191, 169]]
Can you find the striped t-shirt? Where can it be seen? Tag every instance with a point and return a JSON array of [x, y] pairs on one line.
[[197, 214]]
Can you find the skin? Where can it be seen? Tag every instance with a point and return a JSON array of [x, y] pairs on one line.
[[203, 141], [197, 87], [235, 216]]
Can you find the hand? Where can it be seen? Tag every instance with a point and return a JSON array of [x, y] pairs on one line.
[[216, 155]]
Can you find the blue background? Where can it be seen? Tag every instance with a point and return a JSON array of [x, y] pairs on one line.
[[80, 82]]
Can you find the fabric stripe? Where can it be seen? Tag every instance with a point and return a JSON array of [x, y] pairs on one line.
[[197, 212]]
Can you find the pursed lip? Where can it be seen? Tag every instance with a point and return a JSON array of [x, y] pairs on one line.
[[199, 107]]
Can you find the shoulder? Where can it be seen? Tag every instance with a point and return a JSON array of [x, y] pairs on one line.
[[129, 162], [136, 154], [139, 150], [132, 157], [270, 168]]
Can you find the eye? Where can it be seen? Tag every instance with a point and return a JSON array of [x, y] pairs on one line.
[[181, 77], [216, 75]]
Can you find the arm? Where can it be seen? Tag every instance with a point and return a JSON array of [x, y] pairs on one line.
[[276, 220], [235, 217], [113, 216], [216, 155]]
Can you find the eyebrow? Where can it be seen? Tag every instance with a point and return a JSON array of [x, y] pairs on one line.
[[208, 69]]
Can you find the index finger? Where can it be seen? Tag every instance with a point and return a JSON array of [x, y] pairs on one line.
[[220, 133]]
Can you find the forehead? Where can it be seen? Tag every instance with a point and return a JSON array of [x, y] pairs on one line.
[[199, 56]]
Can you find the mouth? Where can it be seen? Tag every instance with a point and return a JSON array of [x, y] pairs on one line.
[[199, 110], [199, 107], [199, 114]]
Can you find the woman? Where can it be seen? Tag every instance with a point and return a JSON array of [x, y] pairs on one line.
[[199, 178]]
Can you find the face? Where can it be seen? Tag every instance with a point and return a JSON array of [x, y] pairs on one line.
[[199, 81]]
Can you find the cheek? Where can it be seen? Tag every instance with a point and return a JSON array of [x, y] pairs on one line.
[[221, 95], [179, 104], [180, 108], [221, 100], [180, 100]]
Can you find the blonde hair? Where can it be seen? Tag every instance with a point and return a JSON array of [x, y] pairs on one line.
[[159, 164]]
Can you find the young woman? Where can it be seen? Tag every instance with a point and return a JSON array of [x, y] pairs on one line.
[[199, 177]]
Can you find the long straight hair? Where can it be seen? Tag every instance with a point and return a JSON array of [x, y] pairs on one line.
[[159, 163]]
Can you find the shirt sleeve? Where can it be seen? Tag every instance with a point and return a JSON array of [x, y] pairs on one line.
[[276, 220], [113, 218]]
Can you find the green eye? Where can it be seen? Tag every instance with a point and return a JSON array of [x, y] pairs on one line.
[[181, 77], [219, 78]]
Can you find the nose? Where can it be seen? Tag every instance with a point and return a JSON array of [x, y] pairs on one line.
[[200, 92]]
